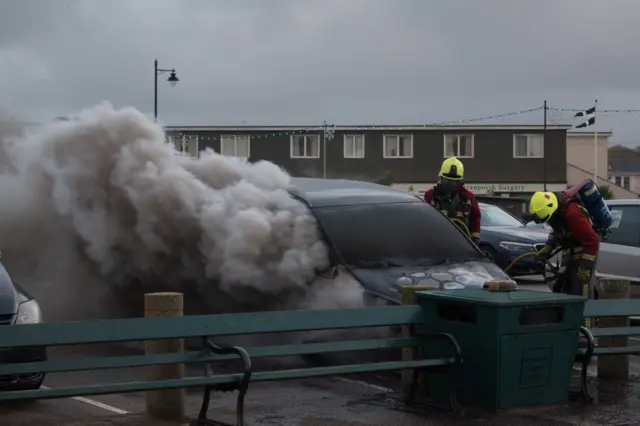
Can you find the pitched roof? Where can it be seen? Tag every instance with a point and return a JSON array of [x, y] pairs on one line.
[[623, 159]]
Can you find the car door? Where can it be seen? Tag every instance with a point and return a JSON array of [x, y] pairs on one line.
[[620, 251]]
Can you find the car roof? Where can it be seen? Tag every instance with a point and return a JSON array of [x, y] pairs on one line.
[[343, 192], [629, 201]]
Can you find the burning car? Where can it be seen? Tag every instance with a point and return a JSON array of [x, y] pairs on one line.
[[387, 239]]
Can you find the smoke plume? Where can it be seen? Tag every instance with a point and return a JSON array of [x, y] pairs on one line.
[[96, 211]]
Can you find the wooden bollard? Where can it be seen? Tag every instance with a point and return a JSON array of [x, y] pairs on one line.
[[410, 354], [614, 366], [166, 404]]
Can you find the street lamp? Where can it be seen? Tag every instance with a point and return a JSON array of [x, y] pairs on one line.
[[173, 80]]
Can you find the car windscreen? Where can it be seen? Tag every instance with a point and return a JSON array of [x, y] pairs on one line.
[[495, 216], [395, 234]]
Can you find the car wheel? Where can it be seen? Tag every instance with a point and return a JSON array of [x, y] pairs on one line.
[[38, 384], [31, 385]]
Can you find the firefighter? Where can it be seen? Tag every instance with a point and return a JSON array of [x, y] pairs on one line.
[[453, 199], [573, 232]]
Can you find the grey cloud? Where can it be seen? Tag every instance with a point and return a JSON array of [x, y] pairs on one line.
[[306, 61]]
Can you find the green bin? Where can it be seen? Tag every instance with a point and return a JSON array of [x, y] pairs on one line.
[[518, 347]]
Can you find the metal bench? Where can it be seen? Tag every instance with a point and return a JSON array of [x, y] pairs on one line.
[[606, 308], [208, 327]]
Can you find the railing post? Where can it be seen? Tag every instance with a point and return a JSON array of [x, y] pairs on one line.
[[166, 404], [409, 354], [614, 366]]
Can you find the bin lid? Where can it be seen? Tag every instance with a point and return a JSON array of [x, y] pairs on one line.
[[512, 298]]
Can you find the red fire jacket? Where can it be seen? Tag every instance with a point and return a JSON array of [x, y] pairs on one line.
[[474, 216], [580, 230]]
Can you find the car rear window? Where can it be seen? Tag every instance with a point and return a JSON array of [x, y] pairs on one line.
[[400, 233], [495, 216]]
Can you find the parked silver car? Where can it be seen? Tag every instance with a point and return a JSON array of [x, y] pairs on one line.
[[619, 253]]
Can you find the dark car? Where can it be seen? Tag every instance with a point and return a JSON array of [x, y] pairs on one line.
[[504, 237], [386, 238], [18, 308]]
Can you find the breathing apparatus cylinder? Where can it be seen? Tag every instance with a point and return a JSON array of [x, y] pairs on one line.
[[587, 193]]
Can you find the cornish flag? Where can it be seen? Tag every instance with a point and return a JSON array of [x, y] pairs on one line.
[[587, 118]]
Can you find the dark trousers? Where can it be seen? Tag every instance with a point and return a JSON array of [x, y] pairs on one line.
[[569, 282]]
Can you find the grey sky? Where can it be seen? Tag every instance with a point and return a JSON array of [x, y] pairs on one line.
[[306, 61]]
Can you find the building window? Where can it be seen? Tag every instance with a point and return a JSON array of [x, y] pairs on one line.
[[398, 146], [353, 146], [185, 145], [458, 146], [528, 146], [305, 146], [623, 181], [235, 145]]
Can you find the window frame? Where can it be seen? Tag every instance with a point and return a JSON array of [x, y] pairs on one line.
[[612, 208], [344, 146], [176, 141], [396, 157], [528, 135], [235, 145], [457, 135], [304, 157]]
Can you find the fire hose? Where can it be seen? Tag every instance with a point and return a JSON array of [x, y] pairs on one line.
[[465, 229]]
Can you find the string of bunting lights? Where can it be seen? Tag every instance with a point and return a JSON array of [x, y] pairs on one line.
[[372, 127], [600, 111]]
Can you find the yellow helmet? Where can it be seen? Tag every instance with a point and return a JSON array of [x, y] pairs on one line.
[[452, 168], [543, 205]]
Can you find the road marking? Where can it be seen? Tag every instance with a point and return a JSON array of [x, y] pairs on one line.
[[95, 403], [365, 384]]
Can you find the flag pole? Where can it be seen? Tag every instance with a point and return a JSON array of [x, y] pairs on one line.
[[544, 153], [595, 145]]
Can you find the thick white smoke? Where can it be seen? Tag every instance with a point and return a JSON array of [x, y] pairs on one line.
[[96, 211]]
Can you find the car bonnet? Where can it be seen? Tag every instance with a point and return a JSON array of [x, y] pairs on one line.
[[388, 283]]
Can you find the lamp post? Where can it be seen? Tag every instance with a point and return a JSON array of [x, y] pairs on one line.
[[173, 80]]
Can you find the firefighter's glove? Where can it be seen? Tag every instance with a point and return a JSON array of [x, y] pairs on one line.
[[544, 253], [475, 240]]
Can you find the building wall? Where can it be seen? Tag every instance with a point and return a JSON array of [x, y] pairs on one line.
[[493, 155], [576, 175], [634, 182], [582, 155], [581, 161]]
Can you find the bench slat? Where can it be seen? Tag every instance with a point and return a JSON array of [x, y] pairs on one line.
[[227, 378], [615, 331], [267, 376], [134, 329], [626, 350], [57, 366], [612, 308]]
